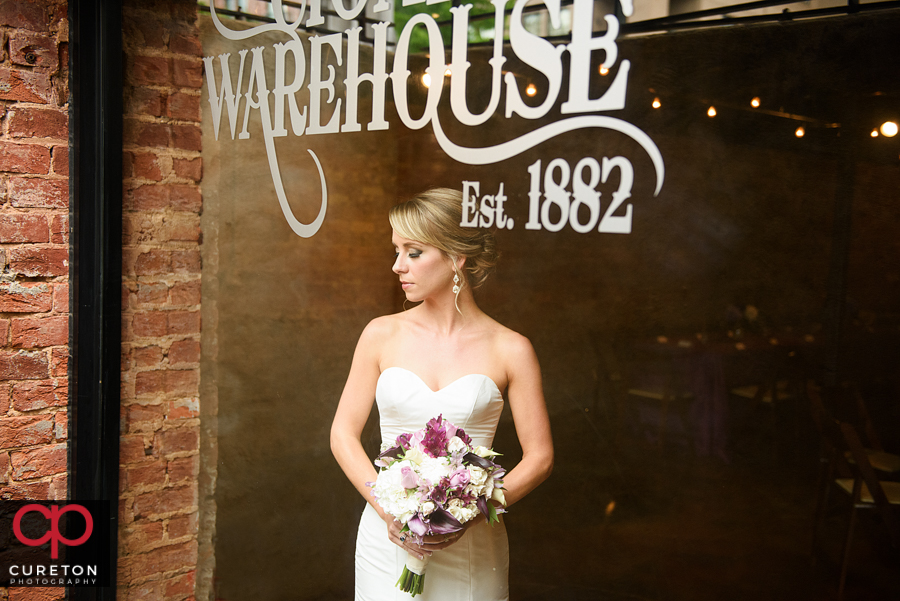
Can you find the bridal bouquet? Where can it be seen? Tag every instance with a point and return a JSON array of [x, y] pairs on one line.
[[433, 481]]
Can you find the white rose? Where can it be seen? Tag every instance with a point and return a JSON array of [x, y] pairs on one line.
[[428, 507], [456, 445], [477, 475], [433, 469], [415, 456]]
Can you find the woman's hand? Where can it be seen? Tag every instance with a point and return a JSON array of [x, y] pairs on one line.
[[430, 544], [404, 540]]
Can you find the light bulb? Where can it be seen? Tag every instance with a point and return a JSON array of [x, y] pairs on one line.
[[889, 129], [603, 70], [755, 102], [531, 89], [656, 103], [800, 132], [712, 111], [874, 133], [426, 80]]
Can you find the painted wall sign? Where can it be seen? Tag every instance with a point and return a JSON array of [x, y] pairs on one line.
[[549, 184]]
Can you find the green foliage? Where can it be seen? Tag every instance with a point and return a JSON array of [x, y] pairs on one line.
[[479, 31]]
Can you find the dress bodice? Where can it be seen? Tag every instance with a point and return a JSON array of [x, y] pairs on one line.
[[405, 404]]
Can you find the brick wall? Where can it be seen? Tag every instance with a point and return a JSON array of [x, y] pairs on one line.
[[34, 256], [161, 301]]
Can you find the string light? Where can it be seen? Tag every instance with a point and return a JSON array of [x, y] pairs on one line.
[[603, 70], [800, 132], [448, 73], [426, 80], [755, 102], [656, 103], [531, 89], [712, 111], [889, 129], [874, 133]]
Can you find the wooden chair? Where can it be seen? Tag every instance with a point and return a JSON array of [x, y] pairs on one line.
[[866, 492]]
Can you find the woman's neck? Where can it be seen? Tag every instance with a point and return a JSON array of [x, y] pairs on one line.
[[441, 314]]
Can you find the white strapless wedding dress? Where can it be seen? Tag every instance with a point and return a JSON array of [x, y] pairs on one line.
[[476, 567]]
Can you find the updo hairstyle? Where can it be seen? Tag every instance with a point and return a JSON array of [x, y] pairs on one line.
[[433, 218]]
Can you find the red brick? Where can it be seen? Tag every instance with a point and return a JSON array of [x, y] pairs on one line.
[[4, 468], [24, 86], [185, 261], [133, 448], [4, 335], [59, 490], [60, 160], [178, 440], [153, 262], [149, 383], [185, 525], [61, 298], [184, 106], [185, 293], [145, 101], [23, 14], [39, 193], [145, 31], [30, 396], [186, 198], [59, 229], [37, 463], [186, 137], [21, 227], [23, 365], [181, 587], [59, 362], [145, 591], [160, 560], [148, 197], [149, 134], [146, 474], [149, 70], [151, 323], [140, 536], [146, 418], [39, 332], [27, 430], [38, 123], [24, 158], [60, 426], [184, 322], [21, 491], [147, 356], [146, 166], [191, 169], [36, 262], [183, 409], [184, 351], [25, 297], [187, 73], [167, 500], [148, 293], [181, 227], [33, 50], [185, 43]]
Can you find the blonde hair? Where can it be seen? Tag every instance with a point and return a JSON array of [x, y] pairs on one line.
[[433, 217]]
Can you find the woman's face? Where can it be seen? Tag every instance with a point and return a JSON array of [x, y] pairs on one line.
[[423, 269]]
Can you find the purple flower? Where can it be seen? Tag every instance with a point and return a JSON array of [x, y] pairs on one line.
[[403, 441], [435, 440], [459, 478], [408, 478], [417, 525], [463, 436], [442, 522]]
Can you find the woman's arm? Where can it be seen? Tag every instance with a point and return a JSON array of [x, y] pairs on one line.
[[350, 419], [353, 412], [529, 411]]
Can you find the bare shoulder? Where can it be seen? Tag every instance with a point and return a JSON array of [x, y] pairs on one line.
[[512, 346]]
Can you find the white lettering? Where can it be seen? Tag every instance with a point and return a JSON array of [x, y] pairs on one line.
[[317, 85]]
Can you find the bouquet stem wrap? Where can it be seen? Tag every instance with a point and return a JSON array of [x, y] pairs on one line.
[[412, 579]]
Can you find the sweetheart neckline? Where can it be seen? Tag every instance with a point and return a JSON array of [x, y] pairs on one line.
[[446, 386]]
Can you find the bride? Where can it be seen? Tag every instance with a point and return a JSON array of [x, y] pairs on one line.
[[443, 356]]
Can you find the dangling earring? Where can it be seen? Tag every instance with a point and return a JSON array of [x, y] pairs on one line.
[[455, 282]]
